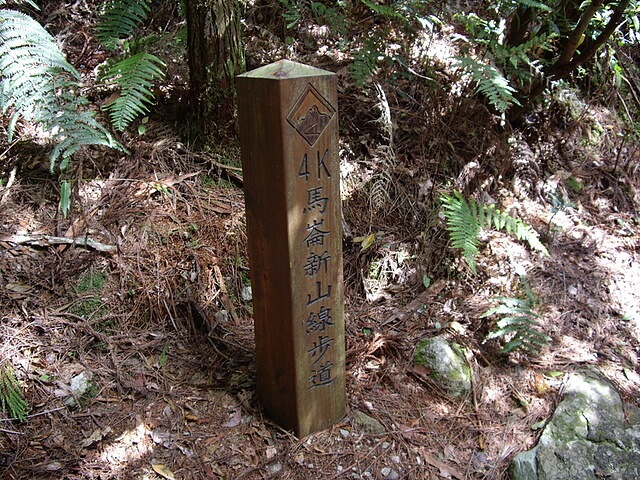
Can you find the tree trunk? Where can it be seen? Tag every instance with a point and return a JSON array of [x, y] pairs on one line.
[[573, 53], [215, 56]]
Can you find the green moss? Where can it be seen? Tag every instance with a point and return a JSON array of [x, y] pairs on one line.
[[446, 363], [91, 280], [89, 287]]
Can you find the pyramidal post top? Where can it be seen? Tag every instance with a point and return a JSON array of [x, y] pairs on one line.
[[285, 69]]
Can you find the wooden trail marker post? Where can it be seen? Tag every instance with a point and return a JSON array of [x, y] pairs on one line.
[[289, 139]]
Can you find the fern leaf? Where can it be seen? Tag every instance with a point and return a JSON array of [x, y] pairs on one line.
[[466, 218], [384, 10], [463, 226], [519, 229], [490, 83], [518, 323], [39, 85], [365, 62], [74, 129], [379, 194], [536, 5], [11, 397], [134, 75], [505, 308], [120, 19]]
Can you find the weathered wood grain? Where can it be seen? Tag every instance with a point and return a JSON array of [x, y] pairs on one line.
[[289, 138]]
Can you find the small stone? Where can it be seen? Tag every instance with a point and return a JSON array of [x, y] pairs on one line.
[[222, 316], [81, 384], [385, 445], [366, 424], [275, 467], [395, 459], [71, 403], [246, 294], [345, 433], [389, 473], [447, 363]]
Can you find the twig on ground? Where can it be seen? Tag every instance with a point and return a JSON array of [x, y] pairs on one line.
[[226, 301], [11, 432], [7, 187], [49, 240], [33, 415]]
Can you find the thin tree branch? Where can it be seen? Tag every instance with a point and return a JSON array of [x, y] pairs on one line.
[[573, 42], [557, 70], [48, 240]]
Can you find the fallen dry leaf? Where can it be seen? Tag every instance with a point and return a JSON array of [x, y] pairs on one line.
[[235, 419], [97, 435], [421, 371], [163, 471], [271, 452]]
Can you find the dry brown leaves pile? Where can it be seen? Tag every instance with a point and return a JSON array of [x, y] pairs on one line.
[[173, 376]]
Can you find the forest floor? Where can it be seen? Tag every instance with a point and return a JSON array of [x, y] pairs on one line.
[[161, 325]]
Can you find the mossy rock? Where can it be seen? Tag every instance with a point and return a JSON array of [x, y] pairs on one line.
[[587, 437], [447, 364]]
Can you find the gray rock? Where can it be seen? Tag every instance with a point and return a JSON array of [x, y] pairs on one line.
[[389, 474], [447, 363], [81, 384], [221, 316], [71, 403], [246, 294], [275, 468], [366, 424], [586, 438]]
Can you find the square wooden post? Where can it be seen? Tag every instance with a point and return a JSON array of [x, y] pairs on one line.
[[289, 139]]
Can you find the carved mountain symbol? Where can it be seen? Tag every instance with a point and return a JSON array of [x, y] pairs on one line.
[[311, 115]]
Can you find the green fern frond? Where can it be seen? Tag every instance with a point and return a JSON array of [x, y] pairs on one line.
[[490, 83], [365, 62], [28, 3], [518, 324], [31, 64], [533, 4], [388, 12], [465, 219], [75, 129], [11, 397], [463, 225], [135, 76], [120, 19], [38, 85]]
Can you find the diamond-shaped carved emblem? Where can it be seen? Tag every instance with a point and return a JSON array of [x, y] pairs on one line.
[[311, 115]]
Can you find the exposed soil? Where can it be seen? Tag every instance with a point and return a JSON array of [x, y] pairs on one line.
[[173, 379]]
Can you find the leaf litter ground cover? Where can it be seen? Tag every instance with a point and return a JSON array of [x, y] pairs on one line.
[[163, 334]]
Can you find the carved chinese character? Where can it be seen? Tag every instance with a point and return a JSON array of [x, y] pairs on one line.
[[315, 200], [320, 348], [316, 262], [321, 375], [319, 295], [318, 322], [315, 237]]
